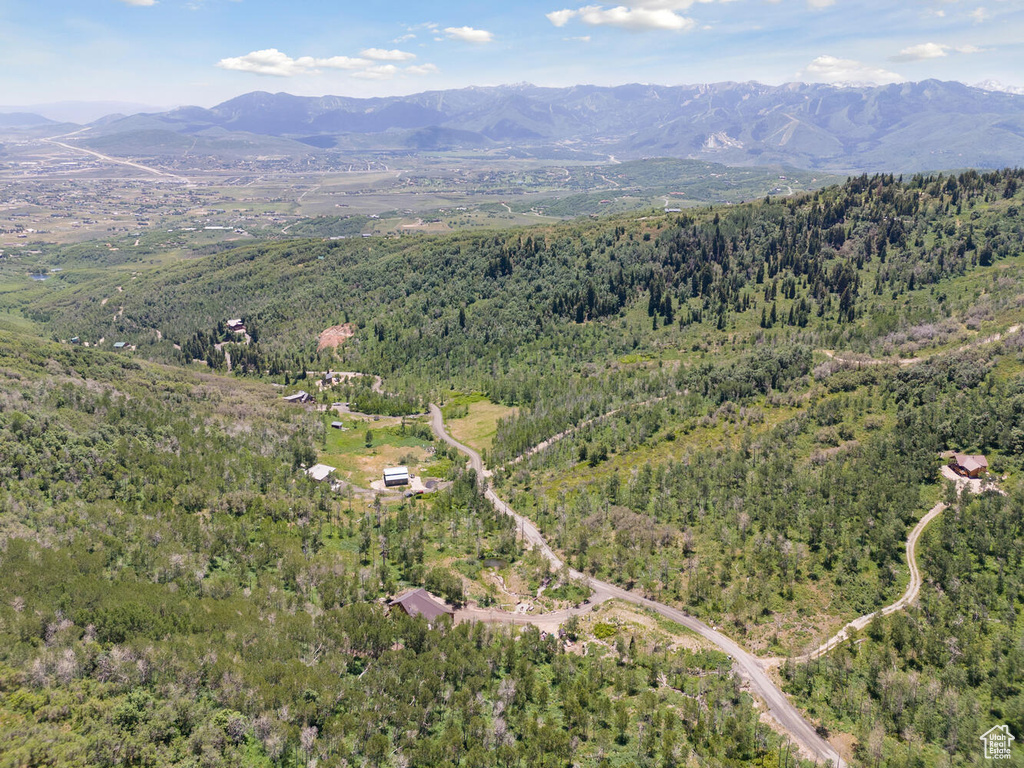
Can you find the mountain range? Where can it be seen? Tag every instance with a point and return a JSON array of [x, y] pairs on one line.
[[927, 125]]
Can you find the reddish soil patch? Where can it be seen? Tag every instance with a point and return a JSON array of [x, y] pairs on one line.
[[336, 335]]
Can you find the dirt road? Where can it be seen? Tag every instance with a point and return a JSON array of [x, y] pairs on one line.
[[748, 666], [909, 596], [849, 359], [549, 622], [565, 433], [914, 587]]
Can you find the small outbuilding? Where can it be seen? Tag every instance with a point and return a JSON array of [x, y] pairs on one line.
[[299, 397], [337, 425], [319, 472], [396, 476], [419, 602], [120, 344], [968, 465], [236, 325]]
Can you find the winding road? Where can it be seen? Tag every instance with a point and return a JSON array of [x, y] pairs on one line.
[[748, 666], [913, 588]]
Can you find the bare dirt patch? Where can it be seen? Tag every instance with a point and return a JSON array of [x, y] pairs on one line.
[[336, 335]]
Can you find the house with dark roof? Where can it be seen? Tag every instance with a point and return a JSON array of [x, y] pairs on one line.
[[419, 602], [967, 465]]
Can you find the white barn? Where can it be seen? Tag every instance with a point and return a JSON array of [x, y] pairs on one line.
[[396, 476]]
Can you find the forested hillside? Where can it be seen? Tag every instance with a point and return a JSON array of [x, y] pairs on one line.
[[851, 266], [175, 593], [740, 412], [931, 680]]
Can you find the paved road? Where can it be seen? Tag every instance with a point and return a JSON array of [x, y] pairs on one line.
[[748, 666], [116, 160]]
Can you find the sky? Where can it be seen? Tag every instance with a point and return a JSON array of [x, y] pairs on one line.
[[175, 52]]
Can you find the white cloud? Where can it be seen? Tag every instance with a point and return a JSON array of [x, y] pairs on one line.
[[668, 5], [404, 38], [932, 51], [579, 39], [377, 72], [334, 62], [921, 52], [139, 3], [642, 16], [380, 54], [560, 18], [273, 62], [266, 62], [820, 3], [829, 69], [422, 69], [469, 35], [979, 14]]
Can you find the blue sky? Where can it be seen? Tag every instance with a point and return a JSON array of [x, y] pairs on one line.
[[170, 52]]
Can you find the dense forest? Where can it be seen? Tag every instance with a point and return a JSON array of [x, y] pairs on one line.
[[738, 411], [175, 594], [841, 266]]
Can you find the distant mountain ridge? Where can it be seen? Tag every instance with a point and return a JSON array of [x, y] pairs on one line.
[[904, 127], [23, 120]]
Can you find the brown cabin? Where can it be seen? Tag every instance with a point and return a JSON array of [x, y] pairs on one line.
[[419, 602], [967, 465]]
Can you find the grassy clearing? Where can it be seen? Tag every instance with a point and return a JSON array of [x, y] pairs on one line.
[[479, 424], [359, 463]]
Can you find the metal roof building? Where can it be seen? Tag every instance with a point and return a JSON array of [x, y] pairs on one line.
[[319, 472], [396, 476]]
